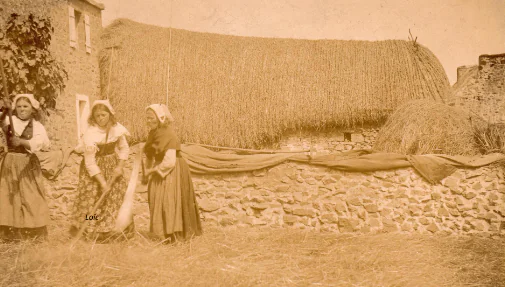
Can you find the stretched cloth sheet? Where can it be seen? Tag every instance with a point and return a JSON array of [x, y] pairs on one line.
[[433, 167], [52, 162]]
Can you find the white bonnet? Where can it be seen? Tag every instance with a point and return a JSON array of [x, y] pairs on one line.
[[35, 104], [105, 103], [162, 112]]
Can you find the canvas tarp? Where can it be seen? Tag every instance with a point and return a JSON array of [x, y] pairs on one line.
[[201, 160], [53, 162], [433, 168]]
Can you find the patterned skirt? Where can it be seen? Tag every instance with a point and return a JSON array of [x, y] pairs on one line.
[[24, 213], [172, 204], [102, 222]]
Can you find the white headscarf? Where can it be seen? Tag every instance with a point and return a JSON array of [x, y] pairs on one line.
[[105, 103], [162, 113], [35, 104]]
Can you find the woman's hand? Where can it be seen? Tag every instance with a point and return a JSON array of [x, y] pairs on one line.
[[104, 186], [117, 173], [150, 171], [147, 174], [145, 180], [16, 141]]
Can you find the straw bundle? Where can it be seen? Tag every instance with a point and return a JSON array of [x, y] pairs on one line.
[[244, 91], [426, 126]]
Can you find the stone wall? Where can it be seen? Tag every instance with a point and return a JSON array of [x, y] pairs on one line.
[[481, 88], [462, 70], [82, 67], [330, 141], [302, 196], [294, 195]]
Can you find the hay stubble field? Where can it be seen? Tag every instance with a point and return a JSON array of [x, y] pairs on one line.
[[259, 257]]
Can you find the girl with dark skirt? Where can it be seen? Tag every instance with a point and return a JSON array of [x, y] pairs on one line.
[[172, 203], [24, 213], [105, 151]]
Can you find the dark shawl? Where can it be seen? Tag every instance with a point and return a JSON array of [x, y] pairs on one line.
[[159, 141]]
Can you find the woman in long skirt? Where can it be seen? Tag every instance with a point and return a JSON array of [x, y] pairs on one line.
[[24, 213], [105, 152], [172, 203]]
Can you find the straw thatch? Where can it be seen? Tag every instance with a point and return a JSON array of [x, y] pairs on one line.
[[425, 126], [245, 91]]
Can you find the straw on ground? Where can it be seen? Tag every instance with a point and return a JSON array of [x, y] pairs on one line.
[[260, 257]]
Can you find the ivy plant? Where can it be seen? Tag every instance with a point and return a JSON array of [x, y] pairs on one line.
[[28, 63]]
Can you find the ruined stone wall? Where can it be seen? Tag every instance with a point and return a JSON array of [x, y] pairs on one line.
[[481, 88]]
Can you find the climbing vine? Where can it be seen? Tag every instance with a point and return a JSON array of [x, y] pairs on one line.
[[29, 65]]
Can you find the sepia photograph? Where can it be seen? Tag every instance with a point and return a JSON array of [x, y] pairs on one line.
[[252, 143]]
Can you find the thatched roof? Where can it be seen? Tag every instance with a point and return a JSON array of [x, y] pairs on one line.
[[426, 126], [244, 91]]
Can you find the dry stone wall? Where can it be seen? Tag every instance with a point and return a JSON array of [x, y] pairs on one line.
[[302, 196], [294, 195]]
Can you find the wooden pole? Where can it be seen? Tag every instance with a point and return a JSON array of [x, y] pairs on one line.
[[86, 222], [169, 52], [6, 99]]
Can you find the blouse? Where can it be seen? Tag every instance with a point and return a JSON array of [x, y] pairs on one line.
[[95, 136], [39, 141]]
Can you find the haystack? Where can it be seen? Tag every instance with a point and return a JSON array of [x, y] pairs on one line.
[[245, 91], [426, 126]]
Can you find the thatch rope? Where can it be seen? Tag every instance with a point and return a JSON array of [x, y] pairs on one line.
[[244, 92], [426, 126]]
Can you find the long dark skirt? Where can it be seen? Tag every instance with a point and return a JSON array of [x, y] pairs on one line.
[[172, 204], [89, 192], [24, 213]]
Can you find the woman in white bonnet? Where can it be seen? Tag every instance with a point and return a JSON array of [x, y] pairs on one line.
[[172, 203], [105, 152], [24, 213]]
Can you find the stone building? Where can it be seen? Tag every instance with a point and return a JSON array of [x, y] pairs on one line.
[[76, 43], [481, 88]]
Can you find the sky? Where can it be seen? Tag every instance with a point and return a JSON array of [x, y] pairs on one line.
[[456, 31]]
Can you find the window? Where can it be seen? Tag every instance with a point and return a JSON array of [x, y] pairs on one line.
[[74, 17], [88, 34], [347, 136], [82, 112]]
